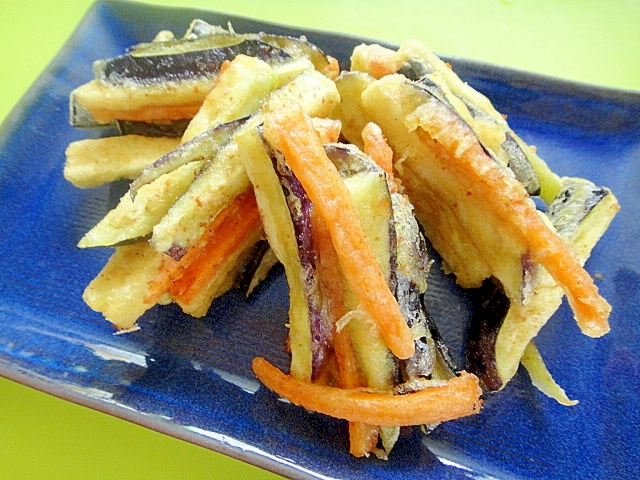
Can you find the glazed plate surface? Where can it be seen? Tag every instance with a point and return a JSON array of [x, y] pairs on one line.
[[191, 378]]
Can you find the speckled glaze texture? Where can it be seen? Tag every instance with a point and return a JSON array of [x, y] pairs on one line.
[[192, 379]]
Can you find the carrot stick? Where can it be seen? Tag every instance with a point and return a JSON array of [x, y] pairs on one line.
[[238, 225], [458, 397], [376, 60], [507, 200], [160, 285], [221, 229], [291, 132], [171, 269], [327, 129], [332, 70], [363, 439], [377, 148]]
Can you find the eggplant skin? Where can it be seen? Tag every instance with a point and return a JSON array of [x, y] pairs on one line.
[[521, 166], [251, 264], [204, 146], [301, 209], [491, 305], [573, 203], [414, 69], [171, 128], [422, 363], [158, 69]]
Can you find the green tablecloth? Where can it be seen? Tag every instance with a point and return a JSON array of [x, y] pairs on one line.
[[592, 41]]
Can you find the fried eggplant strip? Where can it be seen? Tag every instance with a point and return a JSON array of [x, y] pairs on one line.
[[93, 162], [541, 378]]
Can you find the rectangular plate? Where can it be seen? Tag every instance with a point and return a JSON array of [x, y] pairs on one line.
[[191, 378]]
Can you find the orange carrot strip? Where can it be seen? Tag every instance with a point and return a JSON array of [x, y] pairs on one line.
[[458, 397], [327, 129], [333, 288], [332, 70], [363, 438], [291, 132], [506, 200], [171, 270], [160, 285], [377, 148], [240, 221], [375, 59]]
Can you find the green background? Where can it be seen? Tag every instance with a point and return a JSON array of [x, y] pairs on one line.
[[596, 42]]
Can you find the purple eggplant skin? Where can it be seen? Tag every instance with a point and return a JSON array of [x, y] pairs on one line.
[[521, 166], [423, 361], [171, 128], [248, 269], [301, 209], [200, 53], [443, 350], [202, 147], [411, 277], [415, 70], [418, 73], [491, 305], [294, 46], [175, 67], [411, 269], [572, 204], [350, 161]]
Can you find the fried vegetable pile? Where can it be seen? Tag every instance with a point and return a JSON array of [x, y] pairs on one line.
[[247, 150]]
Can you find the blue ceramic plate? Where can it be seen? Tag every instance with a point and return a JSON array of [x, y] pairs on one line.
[[191, 378]]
